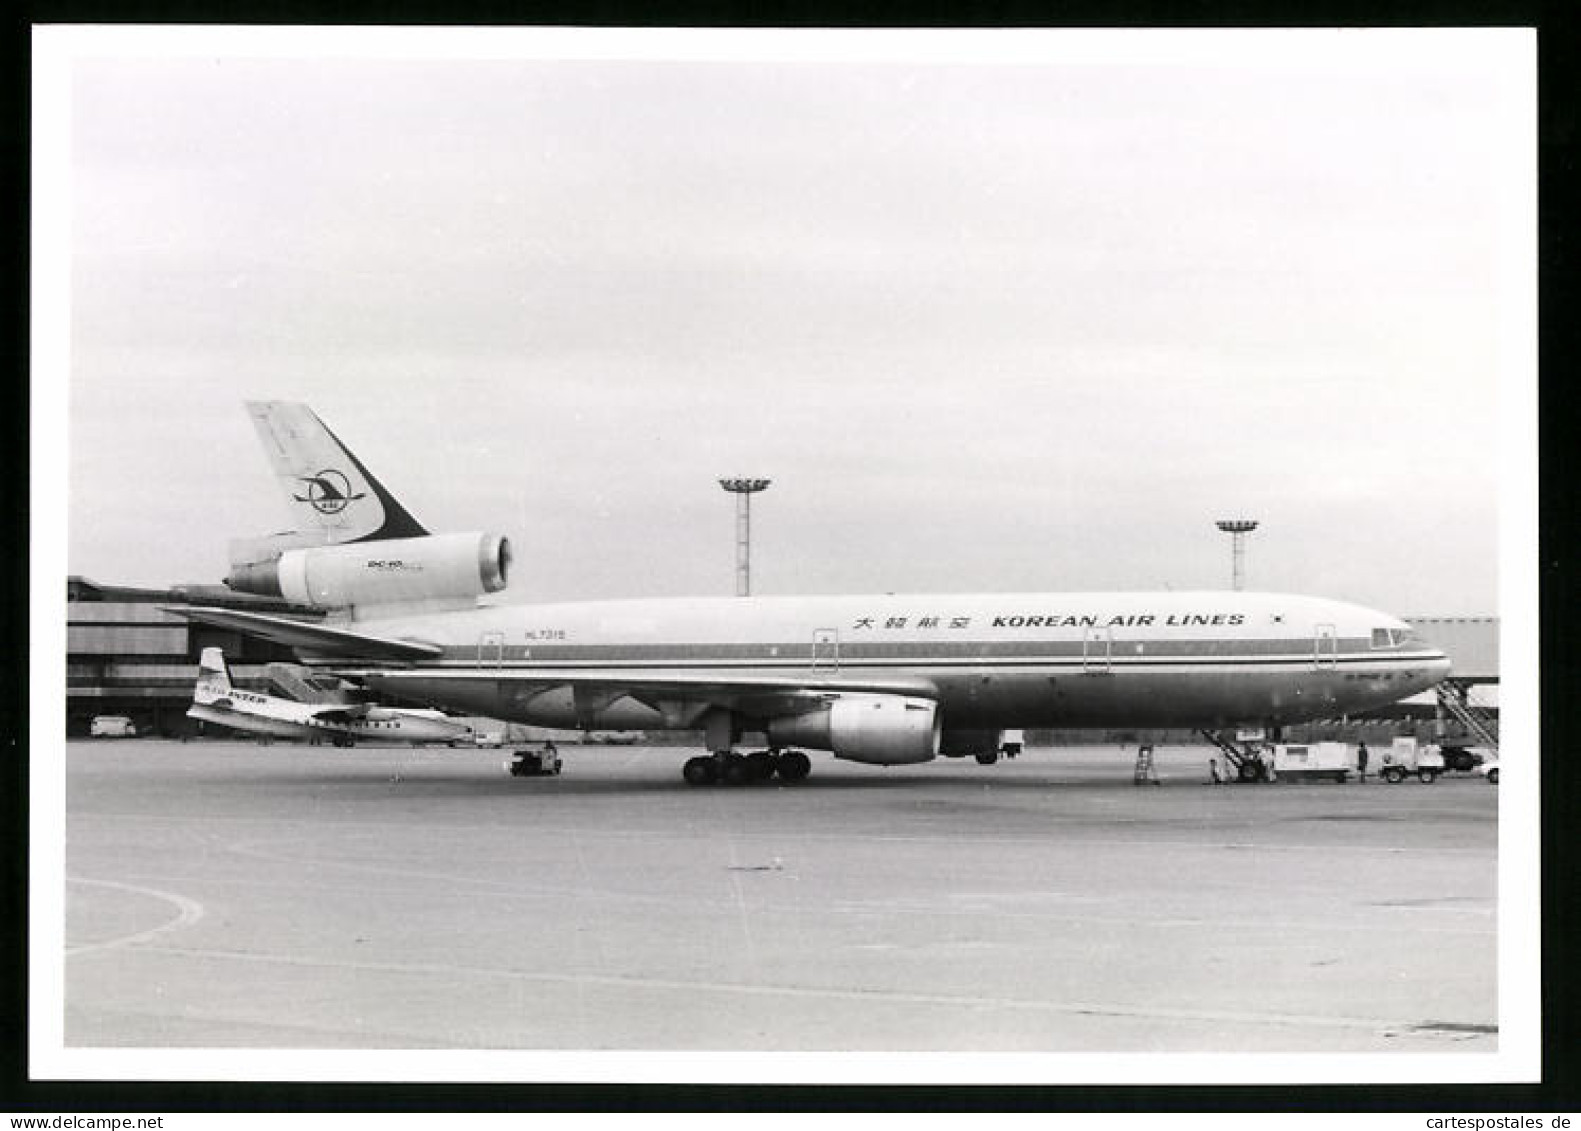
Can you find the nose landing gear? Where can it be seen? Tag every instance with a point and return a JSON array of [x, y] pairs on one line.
[[745, 769]]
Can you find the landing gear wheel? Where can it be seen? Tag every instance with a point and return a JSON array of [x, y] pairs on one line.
[[759, 766], [988, 759], [700, 771], [736, 771], [793, 766]]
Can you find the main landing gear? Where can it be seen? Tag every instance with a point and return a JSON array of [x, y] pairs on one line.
[[743, 769]]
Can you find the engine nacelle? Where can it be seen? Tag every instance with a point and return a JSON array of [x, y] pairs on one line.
[[883, 730], [957, 743], [399, 571]]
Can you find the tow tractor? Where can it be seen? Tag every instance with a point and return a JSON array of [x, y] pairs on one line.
[[1406, 757], [544, 763]]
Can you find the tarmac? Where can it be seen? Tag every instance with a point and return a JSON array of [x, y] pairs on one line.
[[234, 895]]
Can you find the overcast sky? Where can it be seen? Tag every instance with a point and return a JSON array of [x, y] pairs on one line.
[[1024, 325]]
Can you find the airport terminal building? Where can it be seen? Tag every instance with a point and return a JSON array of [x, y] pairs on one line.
[[127, 655]]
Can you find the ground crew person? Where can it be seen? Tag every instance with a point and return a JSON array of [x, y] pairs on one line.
[[1361, 761]]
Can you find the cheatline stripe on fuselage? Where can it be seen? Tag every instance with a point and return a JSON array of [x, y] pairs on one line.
[[1134, 663], [847, 649]]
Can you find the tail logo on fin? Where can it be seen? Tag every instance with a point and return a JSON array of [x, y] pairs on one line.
[[344, 503], [328, 492]]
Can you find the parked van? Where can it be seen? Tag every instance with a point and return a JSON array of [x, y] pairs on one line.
[[111, 726]]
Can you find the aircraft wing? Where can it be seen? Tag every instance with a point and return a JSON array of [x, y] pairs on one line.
[[317, 638], [760, 694]]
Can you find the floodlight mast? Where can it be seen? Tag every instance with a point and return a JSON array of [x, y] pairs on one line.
[[1237, 529], [743, 490]]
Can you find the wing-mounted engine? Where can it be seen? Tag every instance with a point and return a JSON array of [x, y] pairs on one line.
[[884, 730], [433, 572]]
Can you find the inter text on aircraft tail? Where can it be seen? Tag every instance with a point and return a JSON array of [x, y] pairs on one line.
[[214, 677]]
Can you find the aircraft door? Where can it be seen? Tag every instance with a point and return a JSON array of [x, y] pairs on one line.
[[1096, 645], [1325, 647], [491, 648], [826, 649]]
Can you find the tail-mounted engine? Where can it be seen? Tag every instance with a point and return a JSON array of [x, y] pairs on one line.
[[439, 568], [885, 730]]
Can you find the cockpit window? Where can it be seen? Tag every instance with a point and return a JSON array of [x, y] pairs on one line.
[[1397, 638]]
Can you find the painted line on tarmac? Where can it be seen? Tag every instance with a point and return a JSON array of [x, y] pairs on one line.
[[966, 1001], [188, 912]]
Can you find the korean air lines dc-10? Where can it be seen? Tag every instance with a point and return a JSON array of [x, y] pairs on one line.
[[884, 680]]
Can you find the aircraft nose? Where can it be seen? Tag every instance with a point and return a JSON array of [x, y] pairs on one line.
[[1435, 671]]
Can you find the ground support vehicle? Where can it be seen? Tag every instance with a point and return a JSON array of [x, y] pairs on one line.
[[1406, 758], [544, 763], [1246, 752], [1314, 761], [1464, 759]]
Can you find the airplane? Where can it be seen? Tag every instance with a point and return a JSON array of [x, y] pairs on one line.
[[884, 680], [216, 699]]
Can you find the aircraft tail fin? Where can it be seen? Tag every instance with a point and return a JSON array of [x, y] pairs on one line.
[[214, 677], [334, 497]]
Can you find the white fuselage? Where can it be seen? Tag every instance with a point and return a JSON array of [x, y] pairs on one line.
[[990, 660], [285, 718]]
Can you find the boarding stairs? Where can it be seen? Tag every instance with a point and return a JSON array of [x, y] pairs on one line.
[[1455, 698], [290, 681]]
